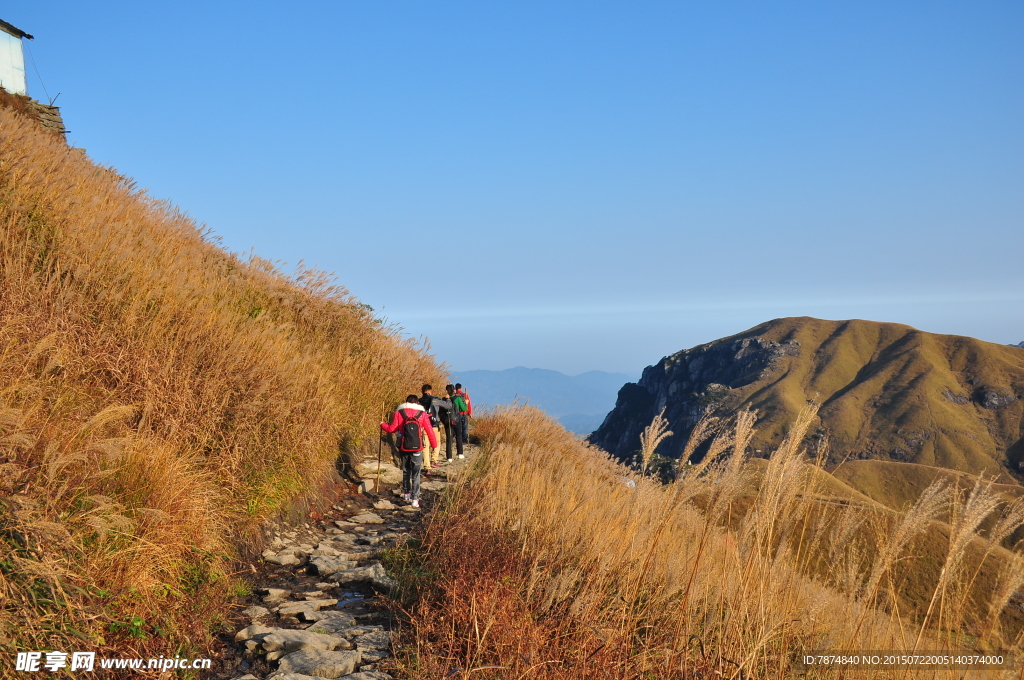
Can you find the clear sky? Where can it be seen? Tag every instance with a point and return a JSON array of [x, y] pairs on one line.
[[577, 185]]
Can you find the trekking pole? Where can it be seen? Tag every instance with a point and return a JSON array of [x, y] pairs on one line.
[[380, 444]]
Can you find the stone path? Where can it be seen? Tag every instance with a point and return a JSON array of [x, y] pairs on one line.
[[317, 608]]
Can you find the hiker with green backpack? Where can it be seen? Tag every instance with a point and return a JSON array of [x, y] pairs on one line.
[[410, 423], [465, 410], [452, 421]]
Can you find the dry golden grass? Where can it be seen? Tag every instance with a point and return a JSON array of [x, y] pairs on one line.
[[552, 561], [159, 399]]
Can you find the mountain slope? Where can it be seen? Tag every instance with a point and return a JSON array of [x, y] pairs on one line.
[[887, 391], [579, 402], [160, 399]]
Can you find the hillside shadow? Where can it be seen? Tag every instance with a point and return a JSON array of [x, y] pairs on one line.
[[872, 368]]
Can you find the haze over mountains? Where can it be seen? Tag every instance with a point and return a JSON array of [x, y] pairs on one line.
[[886, 392], [579, 402]]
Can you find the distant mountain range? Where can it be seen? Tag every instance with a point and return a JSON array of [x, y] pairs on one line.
[[886, 392], [579, 402]]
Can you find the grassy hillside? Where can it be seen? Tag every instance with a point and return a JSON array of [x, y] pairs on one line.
[[900, 485], [159, 399], [553, 561], [886, 392]]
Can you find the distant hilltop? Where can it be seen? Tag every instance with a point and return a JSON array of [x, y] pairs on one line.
[[886, 391], [579, 402]]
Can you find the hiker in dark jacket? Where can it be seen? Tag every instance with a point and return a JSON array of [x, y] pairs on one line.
[[429, 403], [444, 414], [410, 422], [453, 424], [464, 407]]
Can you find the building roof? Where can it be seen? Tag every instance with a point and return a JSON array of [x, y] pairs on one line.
[[13, 30]]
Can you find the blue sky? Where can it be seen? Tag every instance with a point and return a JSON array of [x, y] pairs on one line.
[[575, 185]]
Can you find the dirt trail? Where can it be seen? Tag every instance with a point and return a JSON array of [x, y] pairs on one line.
[[317, 606]]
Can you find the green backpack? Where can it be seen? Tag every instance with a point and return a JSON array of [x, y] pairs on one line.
[[460, 404]]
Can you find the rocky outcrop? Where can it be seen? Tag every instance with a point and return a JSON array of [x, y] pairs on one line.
[[884, 391], [687, 385], [993, 398], [46, 115]]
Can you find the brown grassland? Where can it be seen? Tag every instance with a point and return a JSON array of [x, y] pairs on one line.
[[160, 398], [550, 560]]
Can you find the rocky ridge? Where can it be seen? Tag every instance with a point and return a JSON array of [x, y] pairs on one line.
[[317, 607], [688, 384], [885, 392]]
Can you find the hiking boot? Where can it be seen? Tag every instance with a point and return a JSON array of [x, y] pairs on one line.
[[461, 457], [416, 503], [407, 496], [450, 460]]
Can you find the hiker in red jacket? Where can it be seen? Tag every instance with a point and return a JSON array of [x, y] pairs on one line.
[[411, 422], [465, 395]]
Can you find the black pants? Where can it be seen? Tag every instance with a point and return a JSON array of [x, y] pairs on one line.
[[452, 430], [464, 424], [412, 465]]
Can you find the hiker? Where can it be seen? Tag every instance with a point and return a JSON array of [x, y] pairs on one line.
[[465, 412], [409, 422], [454, 420], [429, 403]]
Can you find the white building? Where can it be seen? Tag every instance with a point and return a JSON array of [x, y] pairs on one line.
[[12, 59]]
